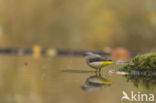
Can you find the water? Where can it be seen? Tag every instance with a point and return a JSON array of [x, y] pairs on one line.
[[60, 80]]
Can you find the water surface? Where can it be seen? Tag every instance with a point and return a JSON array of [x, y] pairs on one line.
[[59, 80]]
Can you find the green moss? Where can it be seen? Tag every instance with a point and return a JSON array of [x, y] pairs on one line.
[[142, 71], [145, 62]]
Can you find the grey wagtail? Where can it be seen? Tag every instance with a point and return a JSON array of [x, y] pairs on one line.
[[97, 61], [95, 82]]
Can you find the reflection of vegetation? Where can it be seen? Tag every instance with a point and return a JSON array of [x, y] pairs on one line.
[[148, 82], [142, 63], [95, 82]]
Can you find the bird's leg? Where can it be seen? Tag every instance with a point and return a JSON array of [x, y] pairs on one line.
[[97, 72], [100, 70]]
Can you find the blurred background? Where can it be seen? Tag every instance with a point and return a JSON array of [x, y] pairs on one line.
[[78, 24], [70, 25]]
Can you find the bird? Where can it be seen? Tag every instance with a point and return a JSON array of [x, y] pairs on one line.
[[95, 82], [97, 61]]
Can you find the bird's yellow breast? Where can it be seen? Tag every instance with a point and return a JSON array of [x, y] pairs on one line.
[[105, 63]]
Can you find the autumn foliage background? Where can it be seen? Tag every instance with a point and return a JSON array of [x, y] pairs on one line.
[[78, 24]]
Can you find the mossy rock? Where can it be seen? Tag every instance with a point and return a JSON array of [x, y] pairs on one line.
[[145, 63]]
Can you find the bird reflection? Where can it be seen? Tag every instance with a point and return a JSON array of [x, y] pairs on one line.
[[95, 82]]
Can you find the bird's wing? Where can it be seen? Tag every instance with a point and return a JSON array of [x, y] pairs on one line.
[[94, 55], [98, 59]]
